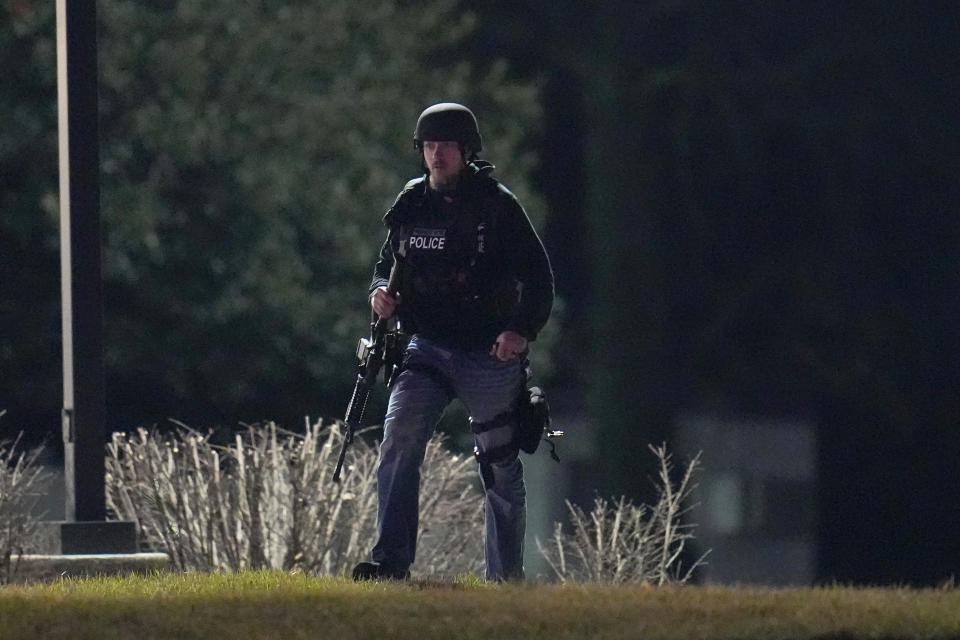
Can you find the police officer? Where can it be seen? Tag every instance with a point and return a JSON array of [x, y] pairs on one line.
[[476, 289]]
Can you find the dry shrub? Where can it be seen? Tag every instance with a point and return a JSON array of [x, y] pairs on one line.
[[22, 483], [268, 500], [618, 542]]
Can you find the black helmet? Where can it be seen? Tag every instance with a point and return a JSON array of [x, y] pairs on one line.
[[448, 121]]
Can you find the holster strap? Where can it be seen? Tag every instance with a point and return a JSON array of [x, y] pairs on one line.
[[498, 420]]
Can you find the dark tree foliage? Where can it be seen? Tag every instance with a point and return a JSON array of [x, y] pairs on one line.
[[248, 153], [752, 210], [767, 225], [30, 387]]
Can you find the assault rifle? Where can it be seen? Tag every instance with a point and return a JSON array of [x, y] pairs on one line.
[[382, 347]]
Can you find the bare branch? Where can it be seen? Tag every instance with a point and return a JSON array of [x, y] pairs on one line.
[[266, 500], [622, 543]]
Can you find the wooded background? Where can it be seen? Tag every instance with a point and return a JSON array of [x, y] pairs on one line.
[[751, 209]]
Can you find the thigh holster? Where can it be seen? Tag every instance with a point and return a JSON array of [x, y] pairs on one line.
[[500, 452]]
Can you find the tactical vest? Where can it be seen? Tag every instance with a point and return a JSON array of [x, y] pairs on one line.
[[453, 282]]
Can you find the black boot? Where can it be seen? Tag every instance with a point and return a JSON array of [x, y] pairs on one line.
[[376, 571]]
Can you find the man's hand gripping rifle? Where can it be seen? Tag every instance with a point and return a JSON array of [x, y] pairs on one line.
[[382, 347]]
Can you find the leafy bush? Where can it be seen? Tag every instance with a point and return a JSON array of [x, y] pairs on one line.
[[249, 151], [21, 485], [619, 542], [268, 500]]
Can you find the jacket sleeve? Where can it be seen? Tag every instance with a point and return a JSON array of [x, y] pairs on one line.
[[531, 267], [381, 271]]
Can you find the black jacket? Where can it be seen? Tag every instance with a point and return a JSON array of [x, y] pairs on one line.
[[472, 268]]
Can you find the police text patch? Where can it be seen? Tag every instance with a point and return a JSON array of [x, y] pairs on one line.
[[428, 239]]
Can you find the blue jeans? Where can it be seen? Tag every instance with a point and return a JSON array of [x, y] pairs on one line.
[[487, 387]]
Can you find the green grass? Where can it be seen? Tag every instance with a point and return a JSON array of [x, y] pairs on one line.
[[255, 605]]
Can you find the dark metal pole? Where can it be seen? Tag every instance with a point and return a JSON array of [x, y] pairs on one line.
[[80, 262], [85, 529]]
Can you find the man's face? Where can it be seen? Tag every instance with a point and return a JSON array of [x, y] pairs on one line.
[[444, 161]]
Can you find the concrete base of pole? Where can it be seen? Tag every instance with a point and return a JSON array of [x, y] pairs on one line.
[[98, 537]]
